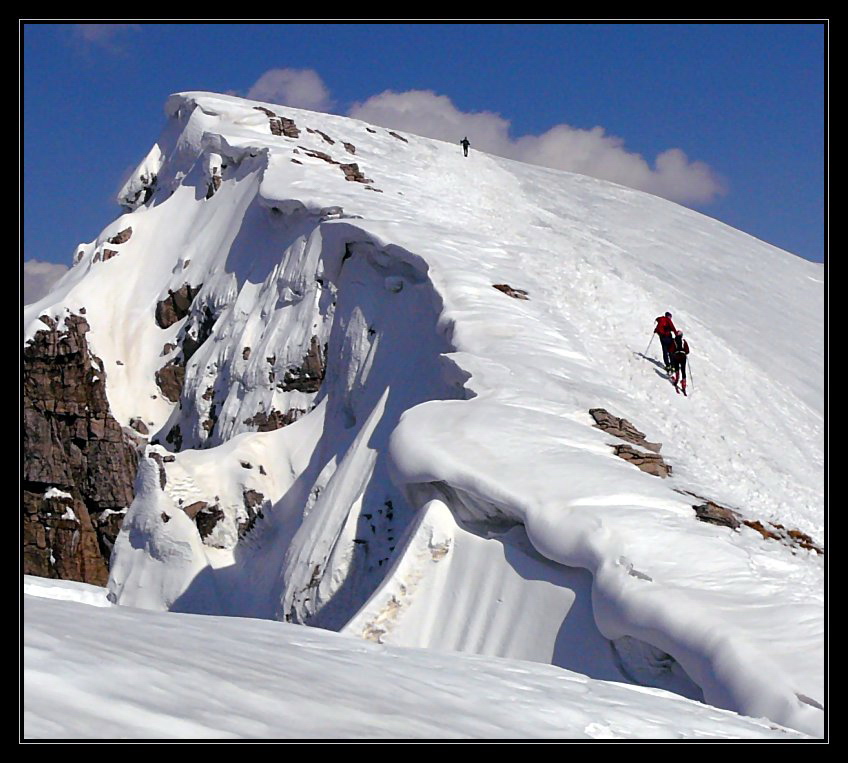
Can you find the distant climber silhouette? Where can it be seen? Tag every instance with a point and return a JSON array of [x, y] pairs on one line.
[[465, 144]]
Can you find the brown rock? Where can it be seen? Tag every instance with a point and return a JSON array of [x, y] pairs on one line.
[[718, 515], [193, 509], [621, 428], [310, 374], [108, 254], [761, 529], [275, 420], [122, 237], [139, 426], [72, 441], [175, 306], [170, 379], [253, 501], [319, 155], [352, 173], [322, 134], [399, 137], [284, 127], [207, 519], [350, 148], [510, 291], [650, 463]]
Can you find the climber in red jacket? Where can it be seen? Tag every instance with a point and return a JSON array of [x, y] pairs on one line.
[[666, 330]]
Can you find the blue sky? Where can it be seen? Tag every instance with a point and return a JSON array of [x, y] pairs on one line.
[[728, 119]]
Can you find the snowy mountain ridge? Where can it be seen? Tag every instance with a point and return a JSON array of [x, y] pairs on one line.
[[353, 429]]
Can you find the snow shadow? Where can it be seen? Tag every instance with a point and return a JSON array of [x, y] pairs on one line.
[[343, 516]]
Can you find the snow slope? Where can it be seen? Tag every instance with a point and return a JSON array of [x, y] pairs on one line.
[[121, 673], [445, 487]]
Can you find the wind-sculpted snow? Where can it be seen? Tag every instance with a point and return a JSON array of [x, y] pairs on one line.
[[119, 673], [690, 614], [439, 481]]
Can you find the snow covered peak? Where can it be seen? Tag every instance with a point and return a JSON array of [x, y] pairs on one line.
[[366, 365]]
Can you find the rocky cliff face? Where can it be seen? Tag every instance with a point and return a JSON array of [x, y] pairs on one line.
[[79, 464]]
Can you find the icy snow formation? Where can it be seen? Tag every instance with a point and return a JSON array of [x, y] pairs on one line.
[[439, 482], [171, 676]]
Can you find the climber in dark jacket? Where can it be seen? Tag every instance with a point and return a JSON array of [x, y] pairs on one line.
[[465, 144], [678, 351], [665, 329]]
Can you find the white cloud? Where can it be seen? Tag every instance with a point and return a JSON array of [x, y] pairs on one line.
[[298, 88], [39, 278], [104, 35], [589, 152]]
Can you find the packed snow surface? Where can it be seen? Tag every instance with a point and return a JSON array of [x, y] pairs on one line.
[[446, 488], [122, 673]]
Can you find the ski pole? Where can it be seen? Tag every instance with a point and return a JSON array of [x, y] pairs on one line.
[[649, 344], [691, 378]]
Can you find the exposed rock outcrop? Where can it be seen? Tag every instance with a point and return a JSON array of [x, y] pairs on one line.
[[122, 237], [319, 155], [322, 134], [207, 519], [170, 379], [141, 192], [399, 137], [308, 376], [353, 173], [79, 465], [621, 428], [510, 291], [279, 125], [652, 463], [268, 422], [197, 333], [175, 437], [253, 501], [715, 514], [284, 127], [175, 306], [193, 509], [139, 426], [214, 185]]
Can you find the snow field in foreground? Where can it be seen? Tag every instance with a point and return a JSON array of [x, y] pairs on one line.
[[113, 673]]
